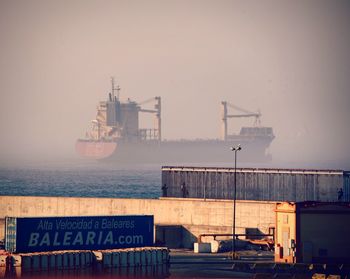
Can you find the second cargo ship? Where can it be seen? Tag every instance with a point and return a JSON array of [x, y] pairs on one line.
[[115, 135]]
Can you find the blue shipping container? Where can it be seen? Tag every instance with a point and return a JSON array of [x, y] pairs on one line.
[[39, 234]]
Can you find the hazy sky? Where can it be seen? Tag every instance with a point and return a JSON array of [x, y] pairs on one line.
[[290, 59]]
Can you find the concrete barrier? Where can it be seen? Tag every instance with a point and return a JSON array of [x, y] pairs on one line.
[[16, 260], [73, 260], [3, 260], [59, 260], [137, 254], [77, 262], [131, 258], [115, 259], [214, 246], [166, 255], [88, 258], [123, 258], [107, 259], [52, 261], [26, 262], [35, 261], [65, 261], [97, 256], [159, 252], [82, 259], [154, 257], [71, 263], [148, 257], [143, 257], [44, 260]]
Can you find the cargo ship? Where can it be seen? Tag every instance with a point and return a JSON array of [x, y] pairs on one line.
[[115, 135]]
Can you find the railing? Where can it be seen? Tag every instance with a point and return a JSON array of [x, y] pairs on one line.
[[214, 235]]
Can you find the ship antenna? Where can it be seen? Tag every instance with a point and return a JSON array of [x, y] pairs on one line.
[[115, 88], [118, 90]]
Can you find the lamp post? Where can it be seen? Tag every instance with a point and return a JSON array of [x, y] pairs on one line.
[[234, 149]]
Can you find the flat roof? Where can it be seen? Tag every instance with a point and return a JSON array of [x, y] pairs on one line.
[[254, 170]]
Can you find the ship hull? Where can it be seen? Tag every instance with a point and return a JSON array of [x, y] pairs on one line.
[[95, 149], [169, 152]]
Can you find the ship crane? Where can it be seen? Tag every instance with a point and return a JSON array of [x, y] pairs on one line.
[[243, 113], [156, 111]]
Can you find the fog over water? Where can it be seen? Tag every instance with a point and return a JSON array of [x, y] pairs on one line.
[[288, 59]]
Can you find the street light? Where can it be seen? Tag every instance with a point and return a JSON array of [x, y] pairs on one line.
[[235, 149]]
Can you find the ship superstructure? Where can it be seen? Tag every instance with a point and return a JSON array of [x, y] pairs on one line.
[[116, 135], [118, 121]]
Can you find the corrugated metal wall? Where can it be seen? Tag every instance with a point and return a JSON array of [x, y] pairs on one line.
[[255, 184], [346, 186]]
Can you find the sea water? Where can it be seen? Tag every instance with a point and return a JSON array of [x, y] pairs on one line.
[[82, 180]]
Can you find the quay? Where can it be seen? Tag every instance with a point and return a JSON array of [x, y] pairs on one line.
[[158, 262], [191, 265], [193, 220]]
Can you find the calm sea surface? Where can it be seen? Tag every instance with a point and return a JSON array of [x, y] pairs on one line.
[[97, 179], [82, 180]]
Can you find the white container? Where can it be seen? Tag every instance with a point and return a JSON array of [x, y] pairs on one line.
[[202, 247]]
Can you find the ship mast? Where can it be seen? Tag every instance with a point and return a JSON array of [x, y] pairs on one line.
[[114, 97]]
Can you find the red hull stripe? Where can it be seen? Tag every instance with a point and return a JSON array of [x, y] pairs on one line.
[[95, 149]]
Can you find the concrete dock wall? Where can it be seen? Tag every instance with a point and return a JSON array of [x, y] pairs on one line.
[[195, 216]]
